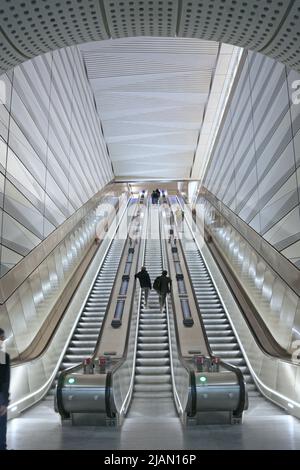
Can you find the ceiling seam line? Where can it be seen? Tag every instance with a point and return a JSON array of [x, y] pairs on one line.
[[12, 44], [288, 10], [104, 18], [179, 14]]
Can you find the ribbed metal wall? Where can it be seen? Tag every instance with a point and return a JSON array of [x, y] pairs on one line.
[[255, 167], [52, 153]]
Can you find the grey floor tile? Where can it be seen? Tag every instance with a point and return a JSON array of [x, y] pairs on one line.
[[265, 426]]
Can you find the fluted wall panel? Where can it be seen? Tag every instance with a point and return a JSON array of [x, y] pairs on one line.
[[255, 166], [52, 152]]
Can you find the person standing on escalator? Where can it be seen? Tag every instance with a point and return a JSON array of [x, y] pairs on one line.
[[145, 283], [162, 285]]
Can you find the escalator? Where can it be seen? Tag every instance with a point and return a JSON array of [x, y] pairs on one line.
[[87, 331], [152, 373], [152, 397], [220, 335], [85, 336]]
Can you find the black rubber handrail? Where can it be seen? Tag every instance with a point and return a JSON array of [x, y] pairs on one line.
[[110, 410]]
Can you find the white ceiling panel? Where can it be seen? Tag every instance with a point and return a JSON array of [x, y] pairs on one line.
[[151, 94]]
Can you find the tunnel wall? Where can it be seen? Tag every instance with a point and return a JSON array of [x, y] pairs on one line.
[[255, 165], [53, 158]]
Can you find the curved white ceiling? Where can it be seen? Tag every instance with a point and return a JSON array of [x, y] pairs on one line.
[[152, 96]]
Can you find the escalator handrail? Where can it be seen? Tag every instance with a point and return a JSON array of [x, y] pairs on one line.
[[230, 367]]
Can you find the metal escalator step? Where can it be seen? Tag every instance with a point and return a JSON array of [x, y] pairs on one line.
[[204, 296], [210, 309], [91, 318], [73, 350], [153, 339], [153, 379], [82, 343], [215, 322], [224, 346], [144, 370], [148, 332], [153, 354], [215, 328], [84, 336], [75, 358], [150, 395], [153, 321], [152, 327], [153, 361], [220, 333], [153, 346], [153, 388], [214, 316], [158, 316], [87, 330], [222, 340], [92, 327]]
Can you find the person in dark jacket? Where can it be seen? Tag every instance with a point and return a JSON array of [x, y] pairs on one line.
[[154, 197], [164, 288], [4, 390], [145, 283]]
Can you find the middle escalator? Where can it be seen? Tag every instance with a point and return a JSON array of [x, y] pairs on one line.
[[152, 373]]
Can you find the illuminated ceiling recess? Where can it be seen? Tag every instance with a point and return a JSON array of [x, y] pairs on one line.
[[153, 96]]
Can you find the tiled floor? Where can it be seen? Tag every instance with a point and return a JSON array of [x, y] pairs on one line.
[[265, 427]]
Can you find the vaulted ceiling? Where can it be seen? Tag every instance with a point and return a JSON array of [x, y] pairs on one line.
[[152, 97]]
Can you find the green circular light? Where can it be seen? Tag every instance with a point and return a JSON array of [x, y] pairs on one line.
[[202, 379], [71, 380]]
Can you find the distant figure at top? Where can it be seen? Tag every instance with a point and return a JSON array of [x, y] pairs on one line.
[[158, 193], [142, 197], [145, 283], [154, 197]]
